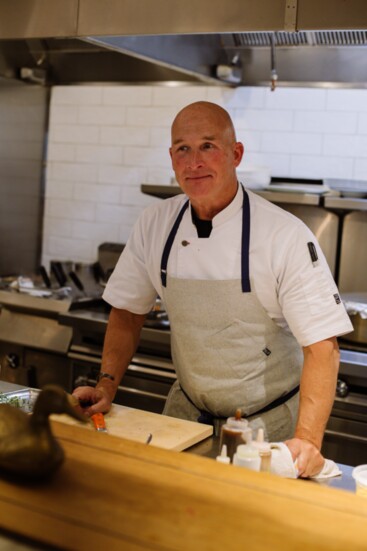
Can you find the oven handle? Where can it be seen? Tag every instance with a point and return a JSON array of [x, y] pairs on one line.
[[84, 358], [132, 367], [150, 371], [360, 439], [81, 353], [143, 393], [92, 382]]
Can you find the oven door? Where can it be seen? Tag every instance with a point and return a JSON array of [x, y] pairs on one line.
[[145, 384], [345, 439]]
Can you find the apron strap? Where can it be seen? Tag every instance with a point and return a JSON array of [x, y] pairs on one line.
[[275, 403], [169, 243], [245, 251], [245, 244], [208, 418]]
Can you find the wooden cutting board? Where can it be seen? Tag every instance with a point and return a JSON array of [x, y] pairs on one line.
[[135, 424]]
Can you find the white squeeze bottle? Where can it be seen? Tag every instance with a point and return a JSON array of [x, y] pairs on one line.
[[223, 457], [264, 450]]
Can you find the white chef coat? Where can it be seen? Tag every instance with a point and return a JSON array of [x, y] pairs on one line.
[[298, 294]]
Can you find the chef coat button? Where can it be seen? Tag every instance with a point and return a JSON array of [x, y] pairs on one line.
[[184, 243]]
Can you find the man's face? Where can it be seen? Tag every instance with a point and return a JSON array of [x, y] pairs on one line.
[[205, 156]]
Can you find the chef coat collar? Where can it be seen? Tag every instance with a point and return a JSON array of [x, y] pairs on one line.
[[230, 210]]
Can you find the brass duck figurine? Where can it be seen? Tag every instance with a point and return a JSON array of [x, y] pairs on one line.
[[28, 449]]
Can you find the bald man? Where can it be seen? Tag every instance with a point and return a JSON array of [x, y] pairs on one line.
[[249, 309]]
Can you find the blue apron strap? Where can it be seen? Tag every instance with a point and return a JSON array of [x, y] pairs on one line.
[[245, 251], [169, 243], [245, 267]]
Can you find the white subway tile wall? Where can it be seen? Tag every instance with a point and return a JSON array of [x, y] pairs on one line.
[[105, 141]]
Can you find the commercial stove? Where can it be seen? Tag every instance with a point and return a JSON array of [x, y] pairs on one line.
[[52, 331]]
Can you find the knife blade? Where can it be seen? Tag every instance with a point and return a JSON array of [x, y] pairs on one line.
[[99, 422]]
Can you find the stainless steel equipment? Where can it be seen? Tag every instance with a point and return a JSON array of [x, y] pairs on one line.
[[33, 346], [110, 40], [353, 259], [58, 337], [356, 305], [345, 438]]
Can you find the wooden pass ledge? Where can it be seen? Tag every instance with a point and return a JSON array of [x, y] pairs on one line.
[[117, 494]]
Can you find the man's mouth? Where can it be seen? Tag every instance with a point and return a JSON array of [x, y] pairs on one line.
[[197, 177]]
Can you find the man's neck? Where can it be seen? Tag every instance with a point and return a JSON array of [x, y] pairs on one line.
[[205, 211]]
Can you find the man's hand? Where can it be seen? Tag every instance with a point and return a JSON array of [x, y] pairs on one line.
[[309, 459], [97, 397]]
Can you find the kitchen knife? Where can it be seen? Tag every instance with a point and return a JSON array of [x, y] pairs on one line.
[[99, 422], [45, 277], [60, 277], [75, 279]]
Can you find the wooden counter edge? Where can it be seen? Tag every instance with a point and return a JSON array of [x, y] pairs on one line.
[[122, 494]]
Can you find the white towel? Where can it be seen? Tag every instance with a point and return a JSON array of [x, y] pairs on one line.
[[282, 464]]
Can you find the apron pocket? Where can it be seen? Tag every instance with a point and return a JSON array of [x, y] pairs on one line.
[[239, 348]]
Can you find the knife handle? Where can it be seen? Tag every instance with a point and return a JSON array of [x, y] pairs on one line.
[[99, 422]]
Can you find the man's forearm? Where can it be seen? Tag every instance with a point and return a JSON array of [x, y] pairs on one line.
[[121, 341], [317, 389]]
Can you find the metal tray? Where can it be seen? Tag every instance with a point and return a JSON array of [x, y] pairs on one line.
[[22, 399]]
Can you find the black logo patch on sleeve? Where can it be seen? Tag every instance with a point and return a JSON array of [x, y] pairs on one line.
[[337, 298], [266, 351]]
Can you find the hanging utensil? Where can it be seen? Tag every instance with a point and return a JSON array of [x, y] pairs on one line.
[[273, 71]]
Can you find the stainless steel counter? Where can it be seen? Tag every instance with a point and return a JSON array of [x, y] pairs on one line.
[[210, 448]]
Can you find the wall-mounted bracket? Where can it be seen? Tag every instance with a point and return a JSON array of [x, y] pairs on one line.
[[290, 15]]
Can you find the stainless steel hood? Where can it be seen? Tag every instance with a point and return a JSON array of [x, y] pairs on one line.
[[237, 42]]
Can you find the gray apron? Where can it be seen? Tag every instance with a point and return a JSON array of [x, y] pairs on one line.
[[228, 353]]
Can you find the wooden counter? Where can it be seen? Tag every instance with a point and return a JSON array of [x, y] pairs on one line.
[[113, 493]]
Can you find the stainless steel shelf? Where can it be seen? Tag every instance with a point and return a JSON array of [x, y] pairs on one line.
[[161, 191], [289, 198], [165, 191], [328, 200], [345, 203]]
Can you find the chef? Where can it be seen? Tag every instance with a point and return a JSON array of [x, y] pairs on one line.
[[253, 308]]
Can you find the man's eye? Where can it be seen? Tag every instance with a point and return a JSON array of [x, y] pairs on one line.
[[182, 148], [207, 146]]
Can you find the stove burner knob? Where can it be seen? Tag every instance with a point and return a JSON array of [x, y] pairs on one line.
[[342, 389], [12, 360]]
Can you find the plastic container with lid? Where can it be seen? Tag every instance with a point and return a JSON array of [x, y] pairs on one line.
[[235, 432], [360, 476], [247, 455]]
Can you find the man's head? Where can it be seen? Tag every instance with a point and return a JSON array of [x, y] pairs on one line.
[[205, 155]]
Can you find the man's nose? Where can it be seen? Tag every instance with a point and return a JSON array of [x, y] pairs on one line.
[[195, 159]]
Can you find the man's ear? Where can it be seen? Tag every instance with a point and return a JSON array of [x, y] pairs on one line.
[[238, 152]]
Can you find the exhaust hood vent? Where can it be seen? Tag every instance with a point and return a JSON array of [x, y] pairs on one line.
[[253, 40], [302, 38]]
